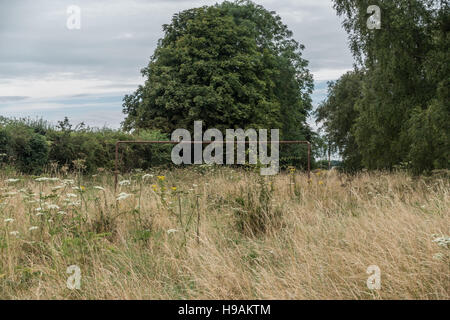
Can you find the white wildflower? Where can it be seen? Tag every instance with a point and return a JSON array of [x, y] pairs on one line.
[[33, 228], [443, 241], [147, 175], [58, 187], [62, 212], [68, 181], [123, 196], [438, 256], [12, 180], [74, 203], [71, 195], [8, 220], [125, 182], [171, 231], [14, 233], [52, 206], [99, 188]]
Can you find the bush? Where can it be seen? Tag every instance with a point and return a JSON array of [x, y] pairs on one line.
[[30, 145], [27, 150]]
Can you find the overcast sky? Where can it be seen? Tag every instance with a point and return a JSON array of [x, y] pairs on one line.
[[49, 71]]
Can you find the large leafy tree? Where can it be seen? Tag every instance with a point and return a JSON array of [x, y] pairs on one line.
[[338, 114], [403, 91], [232, 65]]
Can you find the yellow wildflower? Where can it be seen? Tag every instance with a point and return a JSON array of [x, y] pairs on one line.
[[161, 178]]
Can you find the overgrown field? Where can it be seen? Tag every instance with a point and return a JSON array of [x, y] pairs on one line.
[[222, 233]]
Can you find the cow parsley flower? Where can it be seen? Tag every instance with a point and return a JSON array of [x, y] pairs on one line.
[[52, 207], [123, 196], [443, 241], [125, 182], [41, 179], [438, 256]]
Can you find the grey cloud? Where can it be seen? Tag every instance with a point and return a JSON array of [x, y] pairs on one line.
[[117, 37], [12, 98], [35, 33]]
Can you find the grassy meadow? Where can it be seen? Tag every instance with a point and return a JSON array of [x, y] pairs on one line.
[[223, 233]]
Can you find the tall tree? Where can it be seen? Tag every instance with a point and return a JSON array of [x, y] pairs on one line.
[[401, 84], [338, 114], [232, 65]]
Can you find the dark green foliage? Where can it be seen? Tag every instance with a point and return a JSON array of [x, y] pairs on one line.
[[398, 112], [231, 65], [338, 114], [25, 148], [430, 134], [31, 152]]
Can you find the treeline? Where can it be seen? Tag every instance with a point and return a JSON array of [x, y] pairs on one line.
[[393, 109], [32, 146], [36, 146]]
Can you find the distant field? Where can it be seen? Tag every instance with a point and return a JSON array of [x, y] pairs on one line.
[[220, 233]]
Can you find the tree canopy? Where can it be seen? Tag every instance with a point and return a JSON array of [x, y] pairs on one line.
[[399, 111], [231, 65]]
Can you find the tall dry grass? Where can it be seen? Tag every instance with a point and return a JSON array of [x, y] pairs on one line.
[[225, 234]]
